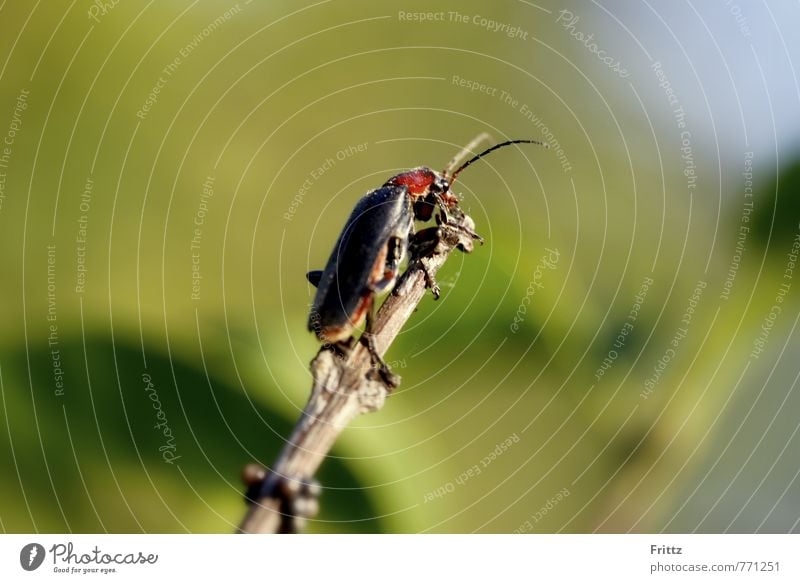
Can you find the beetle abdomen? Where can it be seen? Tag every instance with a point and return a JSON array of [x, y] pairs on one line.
[[345, 289]]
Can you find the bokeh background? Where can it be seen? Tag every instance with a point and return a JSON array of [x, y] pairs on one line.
[[621, 355]]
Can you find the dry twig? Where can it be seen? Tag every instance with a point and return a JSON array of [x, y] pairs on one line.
[[344, 386]]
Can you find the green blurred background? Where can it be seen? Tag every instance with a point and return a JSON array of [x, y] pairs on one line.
[[152, 142]]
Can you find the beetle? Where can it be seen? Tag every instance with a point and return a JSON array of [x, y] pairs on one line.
[[366, 258]]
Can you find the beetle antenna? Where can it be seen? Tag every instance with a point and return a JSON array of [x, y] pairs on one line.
[[493, 148], [477, 142]]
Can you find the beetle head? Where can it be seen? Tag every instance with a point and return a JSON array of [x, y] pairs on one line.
[[427, 190]]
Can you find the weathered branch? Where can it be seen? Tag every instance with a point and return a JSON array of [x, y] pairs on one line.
[[344, 386]]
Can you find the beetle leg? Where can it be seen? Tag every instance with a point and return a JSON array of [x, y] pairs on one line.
[[443, 216], [386, 374], [430, 281], [395, 250], [423, 244]]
